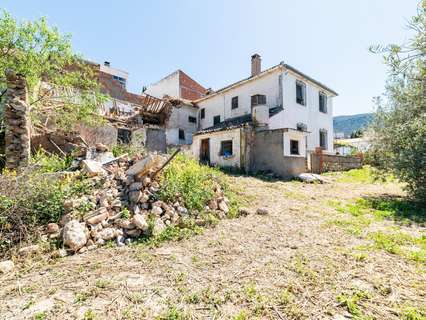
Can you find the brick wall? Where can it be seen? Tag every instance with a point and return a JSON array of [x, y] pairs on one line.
[[189, 88]]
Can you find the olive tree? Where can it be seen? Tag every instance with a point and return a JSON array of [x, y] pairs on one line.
[[399, 129]]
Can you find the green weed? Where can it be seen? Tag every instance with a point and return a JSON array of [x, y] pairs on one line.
[[173, 314], [190, 180], [352, 300], [50, 162], [411, 313]]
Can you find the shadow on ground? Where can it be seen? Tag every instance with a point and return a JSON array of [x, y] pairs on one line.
[[400, 208]]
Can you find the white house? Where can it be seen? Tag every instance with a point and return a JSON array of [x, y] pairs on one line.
[[181, 89], [282, 100]]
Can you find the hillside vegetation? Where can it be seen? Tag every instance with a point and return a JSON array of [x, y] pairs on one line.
[[352, 123]]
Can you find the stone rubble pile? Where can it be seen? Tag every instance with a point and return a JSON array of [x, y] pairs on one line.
[[123, 206]]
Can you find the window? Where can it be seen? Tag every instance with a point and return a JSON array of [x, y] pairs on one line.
[[203, 113], [258, 99], [300, 93], [294, 147], [124, 135], [216, 120], [181, 134], [323, 139], [234, 103], [226, 148], [192, 119], [322, 102], [120, 79], [301, 127]]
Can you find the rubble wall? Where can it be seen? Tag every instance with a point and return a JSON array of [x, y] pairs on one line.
[[106, 135], [156, 140], [326, 162], [268, 155], [17, 122]]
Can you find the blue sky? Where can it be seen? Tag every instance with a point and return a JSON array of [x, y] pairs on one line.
[[212, 41]]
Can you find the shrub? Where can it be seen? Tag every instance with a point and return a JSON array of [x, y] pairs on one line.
[[186, 178], [30, 200], [129, 149], [50, 162]]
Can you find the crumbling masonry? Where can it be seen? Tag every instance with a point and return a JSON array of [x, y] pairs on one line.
[[17, 123]]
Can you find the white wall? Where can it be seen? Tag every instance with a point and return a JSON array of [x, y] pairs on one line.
[[179, 120], [221, 103], [215, 143], [308, 114], [294, 135], [292, 114], [167, 86]]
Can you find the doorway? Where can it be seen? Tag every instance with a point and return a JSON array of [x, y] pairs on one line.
[[205, 151]]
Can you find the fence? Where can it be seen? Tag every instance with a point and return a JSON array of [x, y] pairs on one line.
[[321, 162]]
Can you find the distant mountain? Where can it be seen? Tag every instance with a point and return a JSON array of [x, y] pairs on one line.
[[349, 124]]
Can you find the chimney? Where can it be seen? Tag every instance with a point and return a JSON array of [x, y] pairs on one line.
[[255, 64], [107, 64]]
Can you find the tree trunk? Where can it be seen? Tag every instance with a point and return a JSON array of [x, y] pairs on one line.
[[17, 122]]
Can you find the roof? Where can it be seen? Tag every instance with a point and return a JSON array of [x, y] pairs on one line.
[[229, 124], [265, 72], [236, 122]]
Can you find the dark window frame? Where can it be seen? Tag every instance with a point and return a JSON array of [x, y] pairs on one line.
[[192, 119], [294, 145], [301, 127], [301, 100], [257, 100], [203, 113], [215, 122], [322, 100], [323, 137], [234, 103], [226, 145], [181, 134]]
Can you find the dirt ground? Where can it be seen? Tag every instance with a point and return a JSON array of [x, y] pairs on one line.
[[294, 263]]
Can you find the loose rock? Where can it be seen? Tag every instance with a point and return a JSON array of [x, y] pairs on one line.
[[262, 211], [25, 251], [7, 266], [223, 206], [159, 227], [140, 222], [74, 235], [52, 228]]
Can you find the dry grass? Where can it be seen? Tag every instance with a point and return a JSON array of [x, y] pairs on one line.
[[291, 264]]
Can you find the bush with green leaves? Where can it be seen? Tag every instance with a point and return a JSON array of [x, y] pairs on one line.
[[30, 200], [398, 132], [185, 177], [40, 53], [46, 162]]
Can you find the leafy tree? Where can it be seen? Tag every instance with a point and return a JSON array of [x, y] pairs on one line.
[[62, 86], [399, 128], [357, 134]]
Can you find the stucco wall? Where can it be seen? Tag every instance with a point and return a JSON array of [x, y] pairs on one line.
[[169, 85], [308, 114], [268, 155], [215, 142], [179, 120]]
